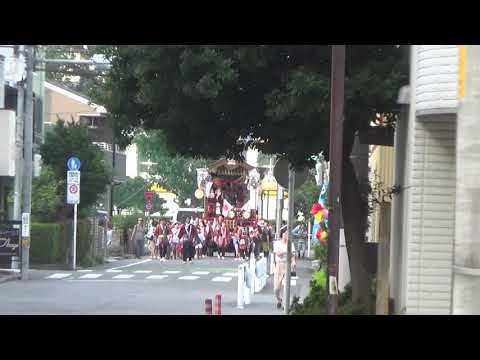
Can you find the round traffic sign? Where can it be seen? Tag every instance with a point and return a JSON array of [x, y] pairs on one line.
[[280, 172], [73, 163], [73, 189]]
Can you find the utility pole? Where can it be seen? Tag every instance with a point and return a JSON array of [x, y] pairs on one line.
[[279, 211], [17, 194], [28, 171], [336, 159], [288, 270]]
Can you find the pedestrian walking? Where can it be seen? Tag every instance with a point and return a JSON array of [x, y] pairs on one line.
[[175, 240], [199, 240], [162, 233], [138, 238], [235, 235], [222, 240], [152, 240], [209, 238], [187, 244], [280, 258]]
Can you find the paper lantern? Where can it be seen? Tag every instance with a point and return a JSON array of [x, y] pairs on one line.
[[246, 215], [325, 212], [318, 217], [199, 194], [318, 234], [315, 208], [231, 214]]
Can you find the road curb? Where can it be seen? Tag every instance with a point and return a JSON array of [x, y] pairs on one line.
[[9, 277]]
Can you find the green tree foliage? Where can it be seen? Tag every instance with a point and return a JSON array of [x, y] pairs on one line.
[[205, 97], [306, 195], [73, 140], [46, 196], [273, 97], [174, 172], [77, 77], [130, 195]]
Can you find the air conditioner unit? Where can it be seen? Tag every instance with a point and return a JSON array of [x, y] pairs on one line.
[[7, 143]]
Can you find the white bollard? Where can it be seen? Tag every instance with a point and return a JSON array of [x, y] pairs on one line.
[[240, 287], [248, 290]]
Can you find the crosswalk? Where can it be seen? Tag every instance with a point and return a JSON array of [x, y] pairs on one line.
[[115, 274]]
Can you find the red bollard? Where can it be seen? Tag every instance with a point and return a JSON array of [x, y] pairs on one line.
[[208, 306], [218, 304]]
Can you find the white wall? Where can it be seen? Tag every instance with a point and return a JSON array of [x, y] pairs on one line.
[[429, 190]]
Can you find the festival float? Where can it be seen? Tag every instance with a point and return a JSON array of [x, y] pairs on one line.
[[225, 187]]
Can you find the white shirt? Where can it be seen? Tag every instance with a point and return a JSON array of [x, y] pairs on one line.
[[280, 250]]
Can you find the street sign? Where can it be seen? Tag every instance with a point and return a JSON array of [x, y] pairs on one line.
[[26, 225], [73, 163], [73, 187], [280, 172], [73, 177]]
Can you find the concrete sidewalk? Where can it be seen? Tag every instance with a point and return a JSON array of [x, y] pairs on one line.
[[8, 276]]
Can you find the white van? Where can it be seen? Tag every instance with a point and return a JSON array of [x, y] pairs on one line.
[[181, 214]]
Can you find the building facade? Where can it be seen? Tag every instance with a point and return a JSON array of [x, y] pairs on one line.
[[423, 214]]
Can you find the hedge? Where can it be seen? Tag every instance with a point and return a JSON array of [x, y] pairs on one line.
[[48, 243], [51, 241]]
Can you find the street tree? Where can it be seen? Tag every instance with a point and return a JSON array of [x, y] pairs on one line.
[[130, 195], [46, 196], [66, 140], [77, 77], [174, 172], [276, 98]]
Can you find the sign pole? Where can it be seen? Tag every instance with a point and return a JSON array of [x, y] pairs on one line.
[[74, 236], [73, 197], [291, 203]]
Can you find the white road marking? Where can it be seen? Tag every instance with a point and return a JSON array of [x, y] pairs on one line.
[[156, 277], [201, 272], [58, 276], [90, 276], [84, 270], [171, 272], [189, 277], [230, 274], [222, 279], [137, 263], [113, 271], [142, 271], [123, 276]]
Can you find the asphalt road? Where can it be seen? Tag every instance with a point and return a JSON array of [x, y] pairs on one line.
[[139, 287]]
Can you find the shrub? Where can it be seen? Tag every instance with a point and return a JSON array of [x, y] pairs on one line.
[[48, 244], [84, 241]]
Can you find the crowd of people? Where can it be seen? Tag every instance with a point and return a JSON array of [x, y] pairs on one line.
[[199, 238]]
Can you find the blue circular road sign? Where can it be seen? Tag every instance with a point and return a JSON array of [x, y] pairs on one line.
[[73, 164]]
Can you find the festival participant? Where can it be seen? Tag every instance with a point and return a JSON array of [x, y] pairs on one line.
[[216, 234], [209, 239], [199, 240], [243, 242], [236, 239], [162, 232], [222, 240], [188, 246], [152, 239], [175, 240]]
